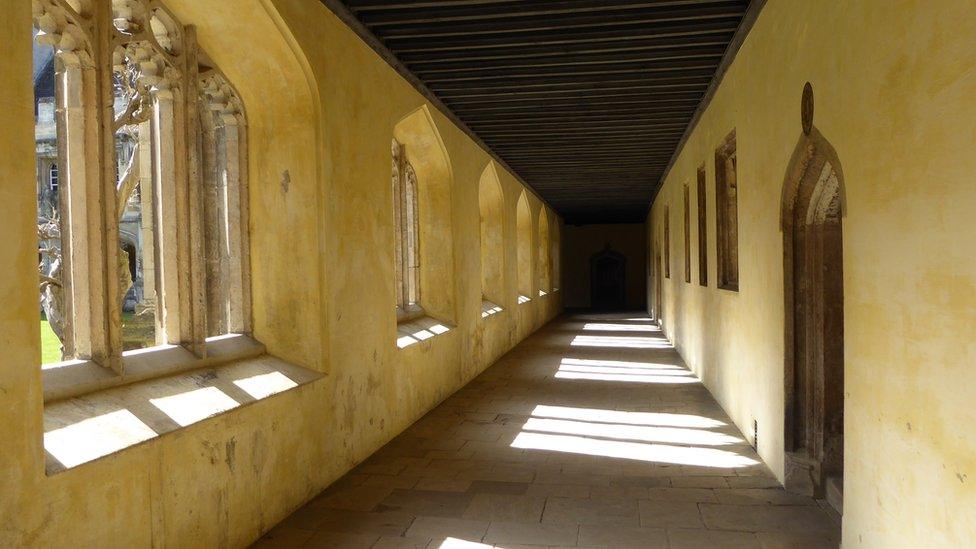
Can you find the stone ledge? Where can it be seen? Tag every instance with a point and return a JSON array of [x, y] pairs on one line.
[[78, 377], [85, 428], [490, 308], [414, 331]]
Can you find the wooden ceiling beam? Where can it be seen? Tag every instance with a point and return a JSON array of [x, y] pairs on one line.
[[564, 23], [389, 15], [696, 77], [708, 51], [584, 100], [558, 109], [693, 37], [556, 38], [583, 72]]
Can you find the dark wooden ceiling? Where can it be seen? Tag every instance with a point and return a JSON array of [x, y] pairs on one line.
[[586, 100]]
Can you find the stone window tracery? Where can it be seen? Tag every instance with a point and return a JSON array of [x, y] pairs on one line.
[[150, 238], [407, 240]]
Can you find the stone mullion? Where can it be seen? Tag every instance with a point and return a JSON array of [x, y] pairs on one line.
[[398, 215], [194, 327], [147, 240], [73, 127], [208, 182], [105, 297], [412, 228], [166, 217], [244, 222], [231, 226]]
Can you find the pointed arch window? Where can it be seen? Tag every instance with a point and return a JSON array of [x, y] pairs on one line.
[[407, 238], [125, 261]]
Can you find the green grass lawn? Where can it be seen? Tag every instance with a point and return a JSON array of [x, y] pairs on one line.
[[137, 332], [50, 344]]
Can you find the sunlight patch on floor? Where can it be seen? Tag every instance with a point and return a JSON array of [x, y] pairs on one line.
[[573, 369], [629, 342], [659, 453], [455, 543], [606, 327], [627, 418], [631, 432]]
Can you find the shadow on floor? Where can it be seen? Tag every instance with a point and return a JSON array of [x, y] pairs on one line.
[[590, 433]]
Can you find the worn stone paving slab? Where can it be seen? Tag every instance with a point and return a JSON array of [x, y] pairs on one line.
[[558, 445]]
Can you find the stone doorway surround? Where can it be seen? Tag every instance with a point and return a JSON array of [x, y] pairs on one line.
[[812, 212]]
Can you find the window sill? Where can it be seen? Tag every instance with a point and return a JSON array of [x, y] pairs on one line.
[[413, 331], [83, 429], [489, 308], [408, 313], [75, 378]]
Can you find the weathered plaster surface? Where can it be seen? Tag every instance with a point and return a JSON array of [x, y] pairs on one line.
[[893, 85], [321, 110]]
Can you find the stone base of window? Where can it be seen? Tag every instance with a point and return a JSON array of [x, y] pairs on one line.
[[416, 330], [410, 312], [79, 377], [85, 428], [489, 308]]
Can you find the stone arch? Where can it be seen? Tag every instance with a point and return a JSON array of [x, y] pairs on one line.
[[256, 51], [425, 152], [608, 271], [812, 209], [545, 260], [523, 222], [491, 204]]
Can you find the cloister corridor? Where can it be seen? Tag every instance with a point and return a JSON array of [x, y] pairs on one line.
[[590, 433]]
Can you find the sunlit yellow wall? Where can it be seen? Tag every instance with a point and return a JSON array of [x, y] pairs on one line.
[[322, 109], [894, 84]]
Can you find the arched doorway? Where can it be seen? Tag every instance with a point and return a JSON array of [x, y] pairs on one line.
[[812, 212], [608, 280]]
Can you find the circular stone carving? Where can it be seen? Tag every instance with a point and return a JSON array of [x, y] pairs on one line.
[[806, 108]]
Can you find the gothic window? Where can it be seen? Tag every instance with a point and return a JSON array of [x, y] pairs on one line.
[[726, 215], [545, 262], [225, 205], [57, 339], [687, 235], [523, 223], [124, 262], [407, 240], [702, 230], [491, 204], [667, 242]]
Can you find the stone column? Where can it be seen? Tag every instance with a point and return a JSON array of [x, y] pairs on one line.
[[75, 181], [165, 214]]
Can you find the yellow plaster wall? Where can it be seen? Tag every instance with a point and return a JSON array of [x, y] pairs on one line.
[[894, 84], [322, 109]]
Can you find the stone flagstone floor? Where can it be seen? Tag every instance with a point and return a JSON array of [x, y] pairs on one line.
[[590, 433]]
